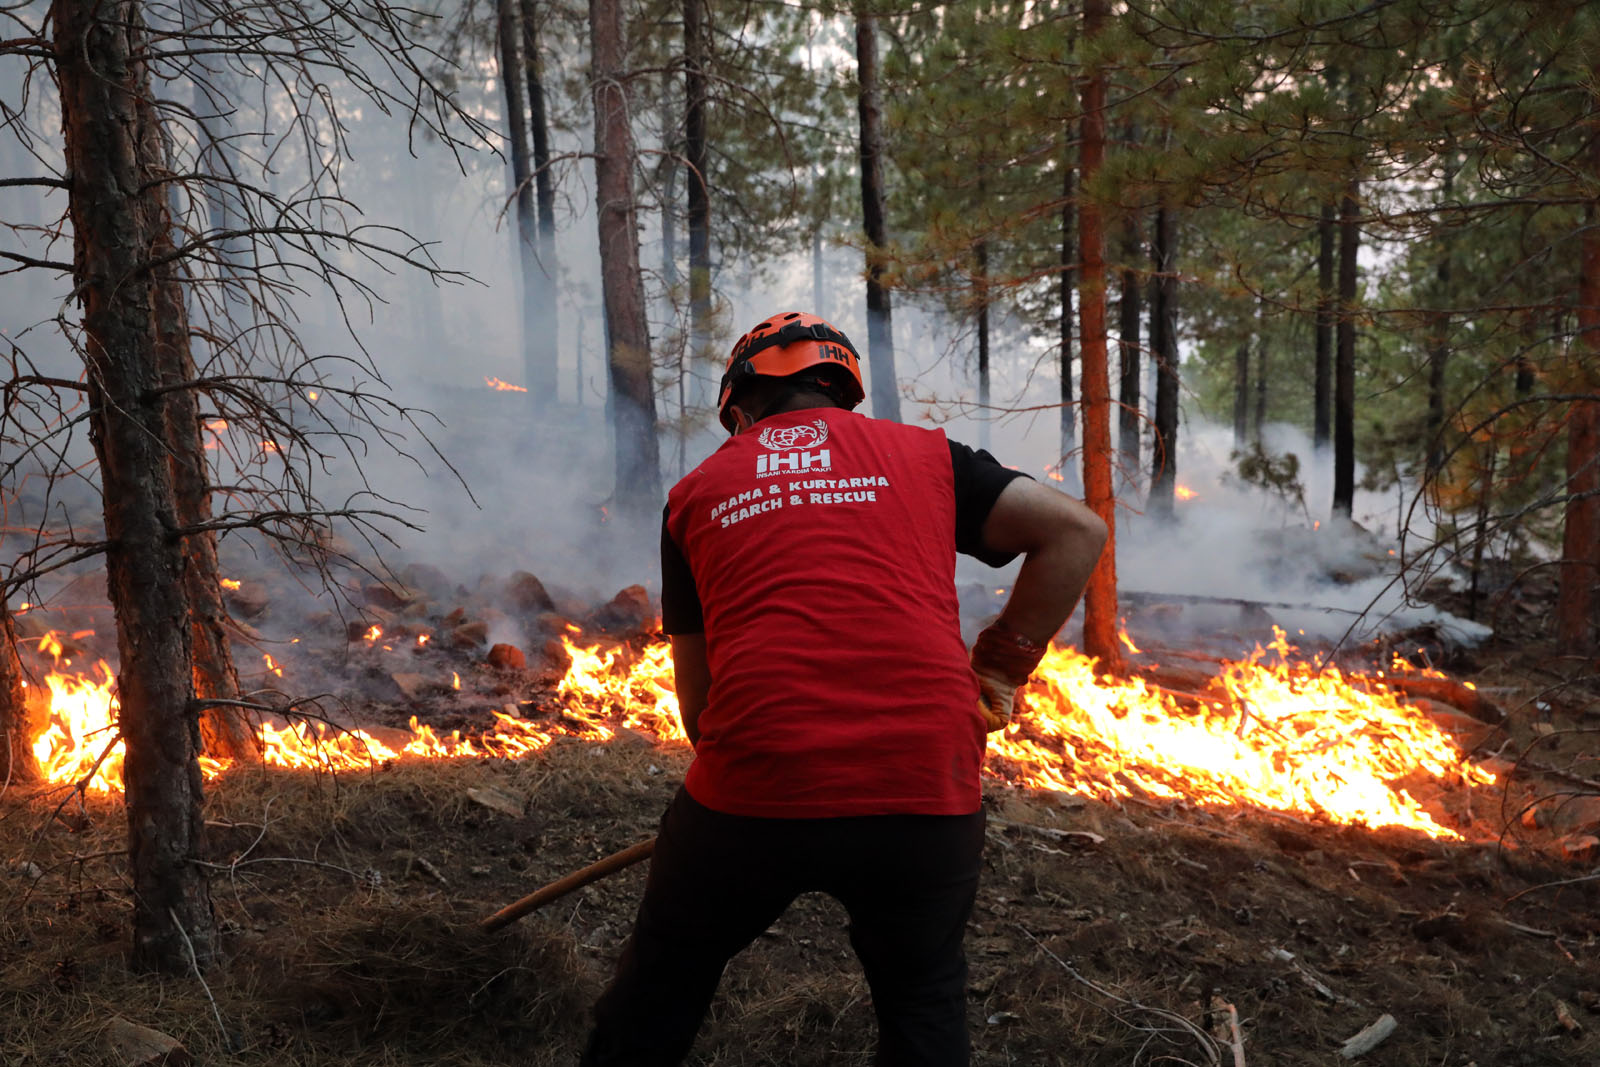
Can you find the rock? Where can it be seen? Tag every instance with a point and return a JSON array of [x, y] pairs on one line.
[[455, 618], [630, 609], [1580, 848], [552, 622], [527, 594], [469, 634], [413, 684], [1574, 815], [425, 577], [388, 597], [249, 601], [496, 799], [507, 657], [133, 1045]]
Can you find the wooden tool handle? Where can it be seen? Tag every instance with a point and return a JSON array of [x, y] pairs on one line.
[[560, 888]]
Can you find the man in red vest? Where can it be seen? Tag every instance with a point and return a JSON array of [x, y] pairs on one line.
[[837, 716]]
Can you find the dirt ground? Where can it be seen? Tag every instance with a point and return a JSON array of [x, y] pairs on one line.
[[348, 905]]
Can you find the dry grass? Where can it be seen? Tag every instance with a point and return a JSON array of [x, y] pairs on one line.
[[344, 947]]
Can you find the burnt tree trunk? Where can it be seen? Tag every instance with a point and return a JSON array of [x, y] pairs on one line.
[[546, 312], [880, 320], [1100, 598], [981, 284], [1069, 283], [1164, 350], [702, 360], [119, 217], [1322, 372], [633, 403], [538, 369], [17, 766], [1344, 372], [1130, 358]]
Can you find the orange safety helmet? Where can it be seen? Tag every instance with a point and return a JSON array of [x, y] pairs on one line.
[[785, 345]]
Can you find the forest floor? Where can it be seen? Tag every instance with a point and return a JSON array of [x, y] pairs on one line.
[[348, 904]]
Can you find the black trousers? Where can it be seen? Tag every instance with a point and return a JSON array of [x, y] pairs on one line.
[[717, 881]]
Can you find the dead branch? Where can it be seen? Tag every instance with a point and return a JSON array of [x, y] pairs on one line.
[[576, 880]]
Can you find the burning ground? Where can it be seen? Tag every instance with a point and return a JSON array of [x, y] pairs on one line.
[[1312, 849]]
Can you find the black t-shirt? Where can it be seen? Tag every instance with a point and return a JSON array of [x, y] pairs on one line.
[[979, 480]]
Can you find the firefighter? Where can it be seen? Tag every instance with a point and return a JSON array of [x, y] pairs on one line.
[[837, 717]]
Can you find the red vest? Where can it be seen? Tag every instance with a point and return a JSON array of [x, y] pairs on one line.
[[822, 545]]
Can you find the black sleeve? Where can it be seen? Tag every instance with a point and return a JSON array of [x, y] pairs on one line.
[[680, 600], [979, 479]]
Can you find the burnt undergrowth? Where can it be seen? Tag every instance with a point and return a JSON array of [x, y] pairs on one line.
[[348, 907]]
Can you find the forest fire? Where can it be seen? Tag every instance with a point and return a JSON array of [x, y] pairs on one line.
[[504, 387], [1273, 733]]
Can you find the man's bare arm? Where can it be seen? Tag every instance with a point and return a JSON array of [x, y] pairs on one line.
[[1060, 540], [692, 677]]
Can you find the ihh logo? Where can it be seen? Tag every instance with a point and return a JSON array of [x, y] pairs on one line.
[[794, 463]]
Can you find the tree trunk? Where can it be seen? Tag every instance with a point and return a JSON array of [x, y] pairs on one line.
[[633, 403], [819, 303], [1164, 349], [1100, 598], [17, 766], [981, 283], [1131, 359], [224, 731], [703, 360], [880, 322], [546, 341], [1241, 395], [1344, 376], [119, 219], [1580, 546], [1258, 420], [1322, 388], [539, 371], [1069, 282]]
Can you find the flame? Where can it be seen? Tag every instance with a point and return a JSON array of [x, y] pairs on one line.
[[504, 387], [1185, 493], [422, 639], [311, 395], [373, 634], [1272, 733], [230, 583], [1122, 635], [272, 664]]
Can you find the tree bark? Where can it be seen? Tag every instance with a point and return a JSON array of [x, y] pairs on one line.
[[1322, 374], [17, 766], [546, 341], [1344, 376], [538, 369], [119, 218], [1069, 283], [1131, 359], [633, 404], [224, 731], [1241, 395], [981, 284], [880, 320], [1164, 349], [1100, 597], [703, 361], [1580, 545], [1258, 420]]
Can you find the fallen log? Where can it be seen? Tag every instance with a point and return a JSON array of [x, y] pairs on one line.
[[561, 887], [1448, 691]]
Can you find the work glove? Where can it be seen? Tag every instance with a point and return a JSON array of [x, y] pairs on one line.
[[1003, 660]]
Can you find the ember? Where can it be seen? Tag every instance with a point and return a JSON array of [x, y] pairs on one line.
[[1272, 733]]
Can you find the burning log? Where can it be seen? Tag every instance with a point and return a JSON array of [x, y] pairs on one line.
[[1448, 691], [576, 880]]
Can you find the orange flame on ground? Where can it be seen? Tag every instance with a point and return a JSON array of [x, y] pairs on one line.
[[230, 583], [1274, 735], [504, 387], [1185, 493]]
